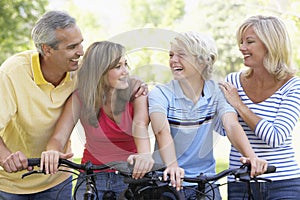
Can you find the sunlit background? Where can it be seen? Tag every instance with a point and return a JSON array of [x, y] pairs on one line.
[[106, 19]]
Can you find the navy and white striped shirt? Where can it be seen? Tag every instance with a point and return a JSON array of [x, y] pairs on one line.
[[272, 137]]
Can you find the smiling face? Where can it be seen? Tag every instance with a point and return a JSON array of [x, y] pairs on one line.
[[66, 56], [252, 48], [182, 63], [118, 75]]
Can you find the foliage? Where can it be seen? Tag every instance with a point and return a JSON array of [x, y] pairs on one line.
[[293, 16], [221, 165], [88, 21], [156, 12], [218, 18], [221, 19], [16, 21], [151, 66]]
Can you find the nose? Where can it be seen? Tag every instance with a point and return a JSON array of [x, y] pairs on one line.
[[174, 58], [125, 69], [242, 46], [80, 51]]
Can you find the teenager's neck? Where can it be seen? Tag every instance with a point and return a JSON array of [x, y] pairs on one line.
[[192, 89]]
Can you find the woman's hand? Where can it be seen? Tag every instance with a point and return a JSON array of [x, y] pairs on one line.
[[231, 94], [49, 160], [143, 163], [258, 166], [175, 174]]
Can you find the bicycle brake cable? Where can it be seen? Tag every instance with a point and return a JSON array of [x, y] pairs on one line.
[[33, 172]]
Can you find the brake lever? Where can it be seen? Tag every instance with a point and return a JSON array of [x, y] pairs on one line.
[[33, 172], [242, 174]]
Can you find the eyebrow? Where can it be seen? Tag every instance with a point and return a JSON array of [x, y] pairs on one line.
[[251, 37], [125, 60], [75, 44]]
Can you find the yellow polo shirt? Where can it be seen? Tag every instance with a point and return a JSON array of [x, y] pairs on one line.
[[29, 109]]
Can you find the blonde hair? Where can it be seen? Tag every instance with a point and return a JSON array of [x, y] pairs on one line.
[[273, 34], [202, 47], [92, 77]]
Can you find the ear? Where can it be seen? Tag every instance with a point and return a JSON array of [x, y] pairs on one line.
[[46, 49]]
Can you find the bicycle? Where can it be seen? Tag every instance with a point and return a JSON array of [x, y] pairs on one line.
[[90, 170], [152, 186]]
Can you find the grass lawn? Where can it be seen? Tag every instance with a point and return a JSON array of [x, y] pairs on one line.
[[221, 165]]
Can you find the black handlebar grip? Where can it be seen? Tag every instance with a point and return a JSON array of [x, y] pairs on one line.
[[34, 161], [270, 169]]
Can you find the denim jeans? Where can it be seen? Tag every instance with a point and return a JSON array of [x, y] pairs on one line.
[[211, 192], [285, 189], [62, 191], [105, 182]]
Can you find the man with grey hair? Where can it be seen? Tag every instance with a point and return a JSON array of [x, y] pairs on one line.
[[34, 86]]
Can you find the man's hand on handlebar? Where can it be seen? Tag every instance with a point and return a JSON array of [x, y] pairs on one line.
[[143, 163], [49, 160], [258, 165], [15, 162]]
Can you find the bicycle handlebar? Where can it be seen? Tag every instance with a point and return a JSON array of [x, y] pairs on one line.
[[70, 164], [152, 179], [242, 172], [125, 169], [120, 166]]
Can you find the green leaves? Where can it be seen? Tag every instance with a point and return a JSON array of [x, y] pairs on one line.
[[16, 21]]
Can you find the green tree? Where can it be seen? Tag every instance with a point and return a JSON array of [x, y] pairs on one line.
[[151, 63], [16, 21], [156, 12], [221, 19], [292, 14]]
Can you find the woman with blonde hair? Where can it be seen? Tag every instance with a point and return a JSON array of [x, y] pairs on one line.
[[266, 97]]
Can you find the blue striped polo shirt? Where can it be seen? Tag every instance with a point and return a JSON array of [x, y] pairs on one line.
[[191, 124], [272, 137]]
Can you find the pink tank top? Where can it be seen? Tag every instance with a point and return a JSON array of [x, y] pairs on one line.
[[109, 141]]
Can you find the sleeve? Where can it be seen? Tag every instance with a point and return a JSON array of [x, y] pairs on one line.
[[223, 107], [158, 100], [8, 100], [275, 132]]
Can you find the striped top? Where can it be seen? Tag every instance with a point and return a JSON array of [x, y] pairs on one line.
[[191, 125], [272, 137]]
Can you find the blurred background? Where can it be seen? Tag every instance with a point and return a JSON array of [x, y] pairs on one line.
[[102, 20]]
